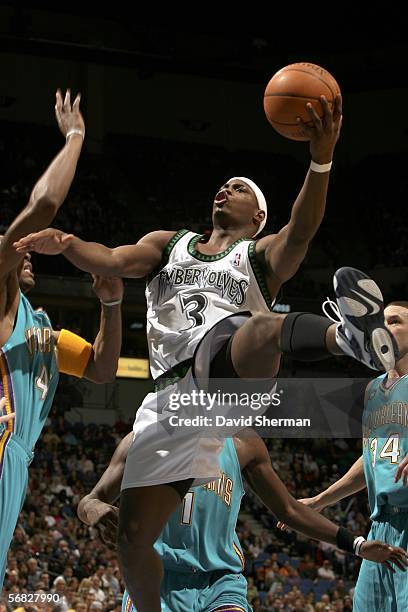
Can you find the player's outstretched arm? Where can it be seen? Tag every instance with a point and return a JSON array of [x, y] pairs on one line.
[[98, 503], [130, 261], [273, 493], [352, 482], [283, 252], [97, 362], [51, 189]]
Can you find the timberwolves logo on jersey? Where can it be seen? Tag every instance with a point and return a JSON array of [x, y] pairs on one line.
[[221, 487], [229, 287]]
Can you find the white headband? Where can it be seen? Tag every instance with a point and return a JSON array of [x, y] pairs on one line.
[[260, 198]]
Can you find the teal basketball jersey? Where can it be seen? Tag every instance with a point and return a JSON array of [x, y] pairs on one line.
[[200, 535], [28, 376], [385, 443]]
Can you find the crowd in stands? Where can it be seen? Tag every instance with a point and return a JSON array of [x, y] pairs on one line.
[[53, 552]]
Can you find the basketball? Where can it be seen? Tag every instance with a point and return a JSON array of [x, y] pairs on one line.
[[288, 92]]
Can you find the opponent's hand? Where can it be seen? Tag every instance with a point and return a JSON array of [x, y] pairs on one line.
[[107, 288], [6, 417], [68, 116], [48, 242], [312, 502], [384, 553], [324, 132], [402, 471]]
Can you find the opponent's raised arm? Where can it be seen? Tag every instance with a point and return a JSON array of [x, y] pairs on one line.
[[273, 493], [131, 261], [51, 189], [283, 253]]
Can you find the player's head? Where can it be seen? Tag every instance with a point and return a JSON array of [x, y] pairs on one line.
[[396, 320], [25, 273], [240, 204]]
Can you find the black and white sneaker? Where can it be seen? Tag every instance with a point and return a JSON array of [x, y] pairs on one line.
[[361, 331]]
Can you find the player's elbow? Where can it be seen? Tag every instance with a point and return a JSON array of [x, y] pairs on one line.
[[44, 204], [289, 513]]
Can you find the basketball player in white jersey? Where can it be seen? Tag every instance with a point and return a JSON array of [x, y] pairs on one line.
[[209, 317]]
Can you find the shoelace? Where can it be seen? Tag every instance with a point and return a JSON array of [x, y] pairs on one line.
[[332, 304]]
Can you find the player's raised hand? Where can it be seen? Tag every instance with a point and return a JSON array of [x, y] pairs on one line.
[[48, 242], [325, 131], [68, 115], [384, 553], [402, 471], [5, 417], [107, 289]]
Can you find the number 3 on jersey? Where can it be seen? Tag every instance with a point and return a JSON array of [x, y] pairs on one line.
[[194, 306], [390, 450], [42, 383]]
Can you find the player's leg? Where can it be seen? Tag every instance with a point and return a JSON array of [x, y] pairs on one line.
[[143, 514], [13, 485], [226, 592], [256, 346]]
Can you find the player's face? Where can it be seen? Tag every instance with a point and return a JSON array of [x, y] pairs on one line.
[[25, 274], [235, 202], [396, 320]]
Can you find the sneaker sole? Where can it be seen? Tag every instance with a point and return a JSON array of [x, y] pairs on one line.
[[362, 295]]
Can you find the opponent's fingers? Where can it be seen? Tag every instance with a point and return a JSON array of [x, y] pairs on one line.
[[305, 129], [389, 566], [327, 119], [67, 100], [75, 106], [58, 100], [398, 562], [338, 108], [3, 402], [317, 122]]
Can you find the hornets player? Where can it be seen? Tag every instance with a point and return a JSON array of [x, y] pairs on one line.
[[29, 363], [200, 550], [384, 460]]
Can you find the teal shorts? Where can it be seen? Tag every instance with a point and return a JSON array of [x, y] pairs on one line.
[[201, 592], [14, 461], [377, 588]]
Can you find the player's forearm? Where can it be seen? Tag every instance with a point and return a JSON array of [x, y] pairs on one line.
[[91, 257], [107, 344], [309, 522], [352, 482], [309, 208], [54, 184], [107, 489]]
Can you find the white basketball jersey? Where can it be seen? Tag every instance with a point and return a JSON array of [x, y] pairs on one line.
[[190, 292]]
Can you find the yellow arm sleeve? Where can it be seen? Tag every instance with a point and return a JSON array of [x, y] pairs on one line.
[[73, 353]]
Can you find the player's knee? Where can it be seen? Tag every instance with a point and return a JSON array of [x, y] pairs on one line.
[[266, 327], [132, 536]]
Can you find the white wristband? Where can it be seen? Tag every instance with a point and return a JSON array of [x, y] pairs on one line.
[[357, 544], [115, 303], [75, 131], [320, 167]]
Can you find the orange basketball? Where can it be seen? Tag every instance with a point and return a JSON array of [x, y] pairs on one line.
[[288, 92]]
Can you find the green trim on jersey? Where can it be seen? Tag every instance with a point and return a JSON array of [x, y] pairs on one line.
[[166, 254], [259, 275], [202, 257]]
